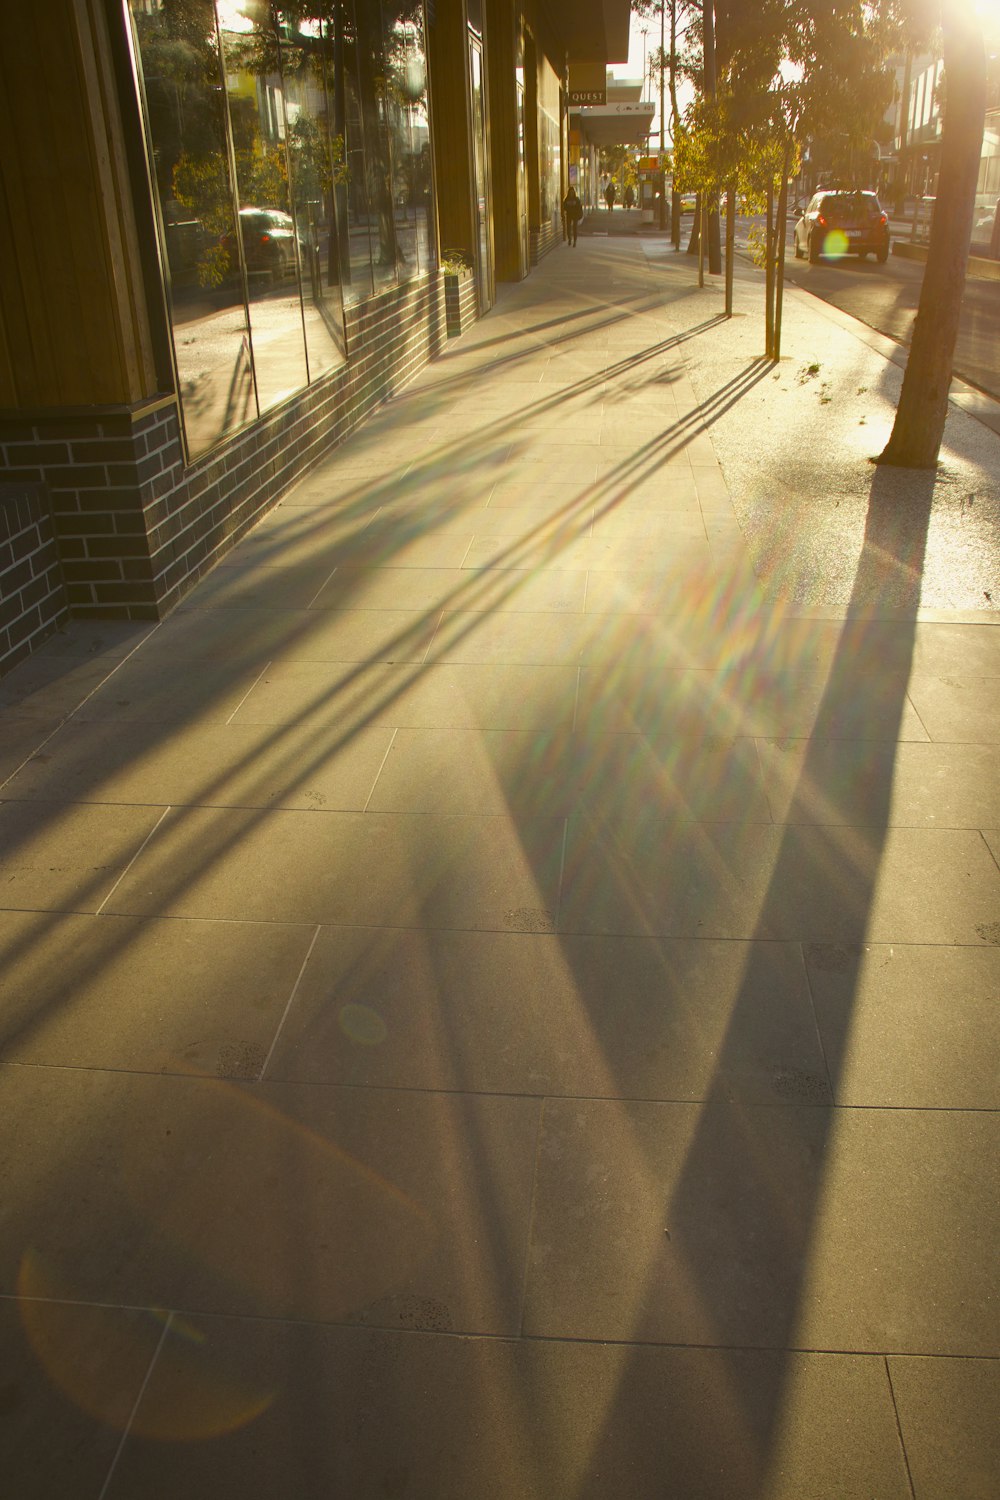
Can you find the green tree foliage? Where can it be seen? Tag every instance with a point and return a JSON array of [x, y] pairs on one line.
[[787, 72]]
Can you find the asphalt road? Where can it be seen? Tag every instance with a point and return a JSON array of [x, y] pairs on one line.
[[886, 297]]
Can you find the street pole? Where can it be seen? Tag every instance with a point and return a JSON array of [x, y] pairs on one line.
[[711, 218], [663, 120]]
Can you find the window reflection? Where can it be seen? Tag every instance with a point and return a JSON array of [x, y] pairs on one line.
[[185, 111], [318, 167], [268, 234], [409, 135], [290, 155]]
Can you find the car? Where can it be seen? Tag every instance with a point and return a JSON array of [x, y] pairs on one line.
[[268, 243], [840, 223]]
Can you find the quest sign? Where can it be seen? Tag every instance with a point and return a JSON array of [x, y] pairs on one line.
[[578, 97]]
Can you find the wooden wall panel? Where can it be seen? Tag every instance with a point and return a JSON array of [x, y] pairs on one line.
[[448, 72], [71, 299]]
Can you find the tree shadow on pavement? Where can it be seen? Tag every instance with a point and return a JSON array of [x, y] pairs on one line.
[[743, 1178]]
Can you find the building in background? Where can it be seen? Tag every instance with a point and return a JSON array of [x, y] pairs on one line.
[[226, 227]]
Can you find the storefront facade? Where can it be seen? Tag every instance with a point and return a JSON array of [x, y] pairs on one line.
[[225, 224]]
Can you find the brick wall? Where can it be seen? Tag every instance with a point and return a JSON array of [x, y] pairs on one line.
[[32, 596], [541, 241], [461, 297], [136, 528]]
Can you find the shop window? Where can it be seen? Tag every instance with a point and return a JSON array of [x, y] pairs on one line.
[[191, 168], [549, 156], [290, 158]]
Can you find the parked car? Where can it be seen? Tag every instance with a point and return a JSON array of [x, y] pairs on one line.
[[268, 243], [843, 223]]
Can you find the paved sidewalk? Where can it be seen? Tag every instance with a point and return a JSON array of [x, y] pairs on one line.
[[499, 991]]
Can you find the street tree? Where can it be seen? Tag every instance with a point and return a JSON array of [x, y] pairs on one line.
[[787, 71], [918, 429]]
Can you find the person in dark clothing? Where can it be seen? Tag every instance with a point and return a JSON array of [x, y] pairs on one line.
[[610, 195], [629, 196], [572, 214]]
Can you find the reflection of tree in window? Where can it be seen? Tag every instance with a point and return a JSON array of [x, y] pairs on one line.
[[373, 88], [180, 61]]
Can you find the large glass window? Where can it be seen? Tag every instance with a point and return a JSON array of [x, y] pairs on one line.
[[290, 156], [549, 155]]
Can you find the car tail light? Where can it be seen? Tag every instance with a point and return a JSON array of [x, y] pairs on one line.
[[883, 218], [820, 219], [265, 239]]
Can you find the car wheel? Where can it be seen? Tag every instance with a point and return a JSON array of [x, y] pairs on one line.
[[813, 248], [882, 254]]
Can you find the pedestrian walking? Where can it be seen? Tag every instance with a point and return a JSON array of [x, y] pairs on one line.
[[629, 196], [610, 195], [572, 214]]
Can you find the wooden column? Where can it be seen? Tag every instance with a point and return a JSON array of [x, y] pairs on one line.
[[74, 327], [503, 23], [448, 72]]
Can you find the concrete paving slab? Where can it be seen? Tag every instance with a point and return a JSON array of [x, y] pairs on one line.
[[752, 700], [439, 871], [909, 1026], [719, 1224], [680, 878], [72, 1377], [288, 765], [460, 1010], [452, 695], [947, 1415], [964, 708], [204, 998], [253, 638], [552, 772], [321, 1204], [451, 588], [855, 781], [476, 1416], [523, 639], [64, 856]]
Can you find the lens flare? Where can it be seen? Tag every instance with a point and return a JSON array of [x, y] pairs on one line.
[[98, 1358]]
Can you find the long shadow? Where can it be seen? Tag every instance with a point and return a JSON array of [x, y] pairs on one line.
[[355, 702], [744, 1208], [532, 550]]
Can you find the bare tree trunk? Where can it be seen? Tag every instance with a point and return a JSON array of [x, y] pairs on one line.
[[695, 239], [675, 115], [730, 246], [701, 238], [769, 278], [710, 218], [781, 230], [923, 403]]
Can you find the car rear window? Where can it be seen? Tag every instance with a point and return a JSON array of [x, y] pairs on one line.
[[850, 206]]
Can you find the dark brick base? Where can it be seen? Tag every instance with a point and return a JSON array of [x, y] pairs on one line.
[[135, 527], [32, 595], [541, 241], [461, 300]]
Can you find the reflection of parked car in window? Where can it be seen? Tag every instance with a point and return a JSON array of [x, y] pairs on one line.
[[843, 223], [986, 233], [268, 243]]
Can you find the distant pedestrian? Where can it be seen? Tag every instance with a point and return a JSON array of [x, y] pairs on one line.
[[629, 196], [572, 214], [610, 195]]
